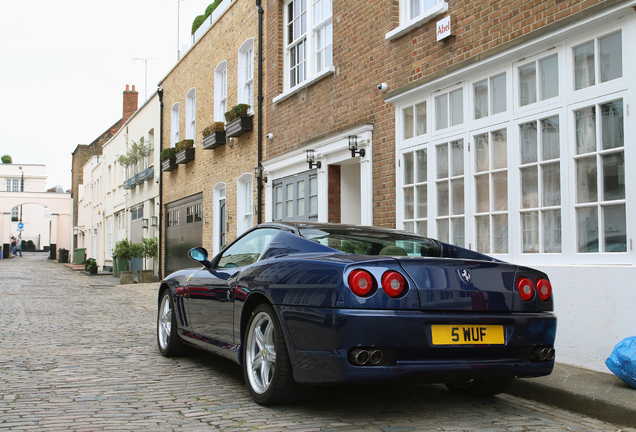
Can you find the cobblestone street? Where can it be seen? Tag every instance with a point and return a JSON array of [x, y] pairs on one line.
[[79, 353]]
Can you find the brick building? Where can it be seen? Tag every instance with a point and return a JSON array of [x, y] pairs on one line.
[[501, 130], [208, 200]]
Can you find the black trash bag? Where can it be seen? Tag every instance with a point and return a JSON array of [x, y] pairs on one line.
[[622, 361]]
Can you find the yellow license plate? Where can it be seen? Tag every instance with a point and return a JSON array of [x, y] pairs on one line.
[[464, 334]]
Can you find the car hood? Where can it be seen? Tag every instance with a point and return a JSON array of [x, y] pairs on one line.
[[455, 284]]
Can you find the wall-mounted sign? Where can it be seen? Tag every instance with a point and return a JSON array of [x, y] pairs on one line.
[[20, 226], [443, 28]]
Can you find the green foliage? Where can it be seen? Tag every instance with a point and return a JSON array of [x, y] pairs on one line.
[[136, 152], [150, 247], [211, 7], [214, 127], [7, 159], [237, 111], [201, 18], [168, 153], [197, 23], [136, 250], [123, 250], [184, 145], [91, 262]]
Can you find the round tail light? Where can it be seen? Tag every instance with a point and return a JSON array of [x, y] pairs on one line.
[[544, 289], [526, 288], [360, 282], [393, 283]]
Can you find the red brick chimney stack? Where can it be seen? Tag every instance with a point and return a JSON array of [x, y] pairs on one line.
[[130, 102]]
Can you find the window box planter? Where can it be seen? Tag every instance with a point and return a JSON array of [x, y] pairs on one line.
[[169, 164], [146, 174], [185, 156], [239, 126], [214, 140], [128, 184], [136, 179]]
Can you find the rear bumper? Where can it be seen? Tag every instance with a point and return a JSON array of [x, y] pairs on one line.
[[319, 340]]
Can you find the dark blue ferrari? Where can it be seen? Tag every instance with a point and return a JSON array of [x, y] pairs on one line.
[[298, 304]]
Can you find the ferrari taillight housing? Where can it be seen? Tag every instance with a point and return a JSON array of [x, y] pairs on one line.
[[393, 283], [525, 288], [544, 289], [360, 282]]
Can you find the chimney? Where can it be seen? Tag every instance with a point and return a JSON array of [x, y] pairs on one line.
[[130, 102]]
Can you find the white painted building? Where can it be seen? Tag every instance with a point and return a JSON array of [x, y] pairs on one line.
[[523, 156], [45, 216], [131, 194]]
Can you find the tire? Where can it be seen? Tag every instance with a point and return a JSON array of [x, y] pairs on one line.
[[266, 365], [490, 386], [167, 339]]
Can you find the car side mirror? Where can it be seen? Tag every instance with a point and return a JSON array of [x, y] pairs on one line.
[[199, 254]]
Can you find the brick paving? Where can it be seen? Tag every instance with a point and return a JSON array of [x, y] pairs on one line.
[[78, 353]]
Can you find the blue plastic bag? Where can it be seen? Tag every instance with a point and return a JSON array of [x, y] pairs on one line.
[[622, 361]]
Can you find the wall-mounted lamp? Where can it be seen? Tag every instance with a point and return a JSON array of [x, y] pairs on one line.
[[153, 221], [311, 159], [353, 146], [258, 172], [144, 223]]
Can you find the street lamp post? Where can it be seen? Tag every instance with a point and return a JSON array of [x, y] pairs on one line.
[[21, 190]]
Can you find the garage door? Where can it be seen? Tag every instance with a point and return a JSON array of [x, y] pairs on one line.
[[184, 230]]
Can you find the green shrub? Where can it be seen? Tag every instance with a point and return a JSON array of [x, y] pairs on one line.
[[168, 153], [214, 127], [200, 19], [237, 111], [184, 145], [91, 262], [7, 159], [123, 250], [211, 7]]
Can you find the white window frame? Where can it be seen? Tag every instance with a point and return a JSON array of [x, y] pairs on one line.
[[191, 114], [219, 192], [220, 91], [310, 72], [174, 124], [244, 203], [407, 24], [564, 105], [245, 72], [13, 185]]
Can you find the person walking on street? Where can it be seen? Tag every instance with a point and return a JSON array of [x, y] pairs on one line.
[[13, 244], [18, 246]]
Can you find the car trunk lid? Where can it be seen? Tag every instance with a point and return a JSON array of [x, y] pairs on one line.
[[455, 284]]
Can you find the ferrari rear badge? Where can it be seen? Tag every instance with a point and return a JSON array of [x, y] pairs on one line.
[[464, 274]]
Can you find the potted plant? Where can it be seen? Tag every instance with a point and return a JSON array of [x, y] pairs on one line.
[[149, 250], [168, 159], [185, 151], [214, 135], [239, 121], [124, 252], [91, 266]]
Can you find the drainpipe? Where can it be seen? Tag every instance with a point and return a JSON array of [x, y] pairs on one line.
[[160, 93], [260, 110]]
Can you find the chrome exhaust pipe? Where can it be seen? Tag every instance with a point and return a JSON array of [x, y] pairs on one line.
[[551, 353], [375, 357], [358, 356], [544, 355]]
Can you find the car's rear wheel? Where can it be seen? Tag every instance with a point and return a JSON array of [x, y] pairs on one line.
[[266, 364], [489, 386], [169, 343]]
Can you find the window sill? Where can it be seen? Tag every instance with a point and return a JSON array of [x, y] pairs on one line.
[[417, 21], [281, 97]]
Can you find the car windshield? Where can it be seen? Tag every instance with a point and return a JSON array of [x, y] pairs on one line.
[[371, 242]]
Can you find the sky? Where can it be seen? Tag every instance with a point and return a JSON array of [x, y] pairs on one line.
[[64, 66]]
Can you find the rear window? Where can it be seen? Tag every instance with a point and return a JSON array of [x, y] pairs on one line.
[[370, 242]]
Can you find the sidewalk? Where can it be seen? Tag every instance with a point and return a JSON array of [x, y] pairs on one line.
[[594, 394]]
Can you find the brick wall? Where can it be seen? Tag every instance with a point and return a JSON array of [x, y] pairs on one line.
[[224, 164], [364, 58], [335, 195]]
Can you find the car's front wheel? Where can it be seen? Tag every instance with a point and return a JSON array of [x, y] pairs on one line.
[[169, 343], [489, 386], [266, 364]]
